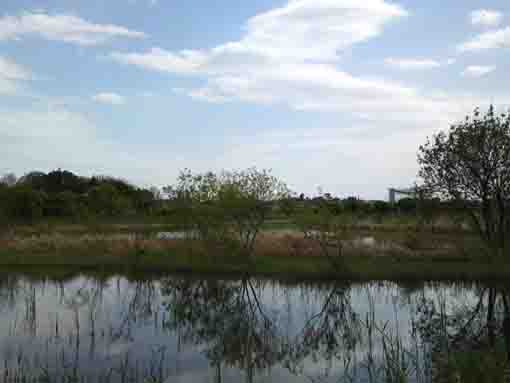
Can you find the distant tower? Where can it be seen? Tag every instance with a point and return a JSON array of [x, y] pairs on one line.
[[392, 197], [410, 192]]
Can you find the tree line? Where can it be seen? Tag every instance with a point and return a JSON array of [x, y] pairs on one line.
[[63, 194]]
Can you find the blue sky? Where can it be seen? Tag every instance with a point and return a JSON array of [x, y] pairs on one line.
[[336, 94]]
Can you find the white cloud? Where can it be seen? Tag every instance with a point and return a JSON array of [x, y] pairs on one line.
[[11, 74], [287, 55], [478, 70], [314, 29], [413, 63], [499, 38], [13, 71], [486, 17], [109, 98], [161, 60], [7, 86], [301, 30], [61, 27]]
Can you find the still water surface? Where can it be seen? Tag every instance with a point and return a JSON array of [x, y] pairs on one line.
[[182, 329]]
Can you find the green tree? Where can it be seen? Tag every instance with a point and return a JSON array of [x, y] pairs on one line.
[[34, 179], [105, 200], [471, 165], [63, 204], [60, 181], [248, 196], [22, 203], [288, 206], [407, 205], [231, 205]]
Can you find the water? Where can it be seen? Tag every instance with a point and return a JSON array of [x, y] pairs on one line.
[[181, 329], [169, 235]]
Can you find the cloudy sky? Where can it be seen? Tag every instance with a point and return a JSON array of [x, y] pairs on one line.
[[336, 94]]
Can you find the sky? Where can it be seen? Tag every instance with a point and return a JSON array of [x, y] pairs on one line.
[[330, 94]]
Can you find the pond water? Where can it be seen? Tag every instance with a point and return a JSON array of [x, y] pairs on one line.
[[183, 329]]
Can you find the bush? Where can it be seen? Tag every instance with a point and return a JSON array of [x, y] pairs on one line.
[[407, 205], [23, 203]]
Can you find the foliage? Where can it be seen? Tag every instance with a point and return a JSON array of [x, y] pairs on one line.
[[63, 204], [22, 203], [61, 193], [288, 207], [471, 165], [230, 206], [407, 205], [105, 200], [325, 225]]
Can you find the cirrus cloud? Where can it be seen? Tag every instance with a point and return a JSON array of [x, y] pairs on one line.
[[61, 27], [478, 70], [499, 38], [11, 73], [414, 63]]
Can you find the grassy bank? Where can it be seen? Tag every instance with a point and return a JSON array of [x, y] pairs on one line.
[[279, 252], [307, 267]]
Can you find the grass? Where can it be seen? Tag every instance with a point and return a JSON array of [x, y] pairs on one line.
[[480, 366], [281, 251], [180, 258], [396, 224]]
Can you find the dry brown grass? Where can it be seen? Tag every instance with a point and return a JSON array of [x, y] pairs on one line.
[[98, 244], [269, 243], [293, 243]]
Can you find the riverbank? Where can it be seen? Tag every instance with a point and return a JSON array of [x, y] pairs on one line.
[[355, 268], [282, 253]]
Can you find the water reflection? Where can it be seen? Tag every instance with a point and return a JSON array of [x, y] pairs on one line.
[[177, 329]]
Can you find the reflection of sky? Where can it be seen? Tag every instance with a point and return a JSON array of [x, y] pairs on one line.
[[119, 324]]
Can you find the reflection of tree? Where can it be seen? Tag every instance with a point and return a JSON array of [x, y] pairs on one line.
[[314, 331], [332, 333], [138, 304], [357, 348], [482, 324], [10, 288], [470, 325], [228, 318]]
